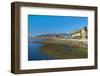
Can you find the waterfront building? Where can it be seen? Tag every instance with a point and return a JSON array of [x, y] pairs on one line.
[[84, 33], [79, 34]]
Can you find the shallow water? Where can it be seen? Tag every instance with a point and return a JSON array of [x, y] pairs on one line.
[[39, 51], [34, 52]]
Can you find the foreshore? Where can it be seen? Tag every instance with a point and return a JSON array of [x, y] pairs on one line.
[[70, 42]]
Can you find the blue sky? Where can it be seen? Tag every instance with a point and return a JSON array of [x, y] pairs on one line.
[[43, 24]]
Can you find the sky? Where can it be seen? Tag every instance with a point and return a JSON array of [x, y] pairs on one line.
[[44, 24]]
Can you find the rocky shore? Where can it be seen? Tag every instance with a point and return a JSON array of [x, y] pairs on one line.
[[69, 42]]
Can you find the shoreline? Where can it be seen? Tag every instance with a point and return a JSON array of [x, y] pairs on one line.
[[70, 42]]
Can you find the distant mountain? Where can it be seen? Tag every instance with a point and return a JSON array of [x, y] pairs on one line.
[[52, 35]]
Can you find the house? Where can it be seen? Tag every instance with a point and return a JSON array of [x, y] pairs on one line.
[[80, 34]]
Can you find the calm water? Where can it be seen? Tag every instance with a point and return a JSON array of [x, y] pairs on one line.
[[34, 52]]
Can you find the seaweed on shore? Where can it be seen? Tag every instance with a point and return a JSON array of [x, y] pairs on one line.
[[59, 51]]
